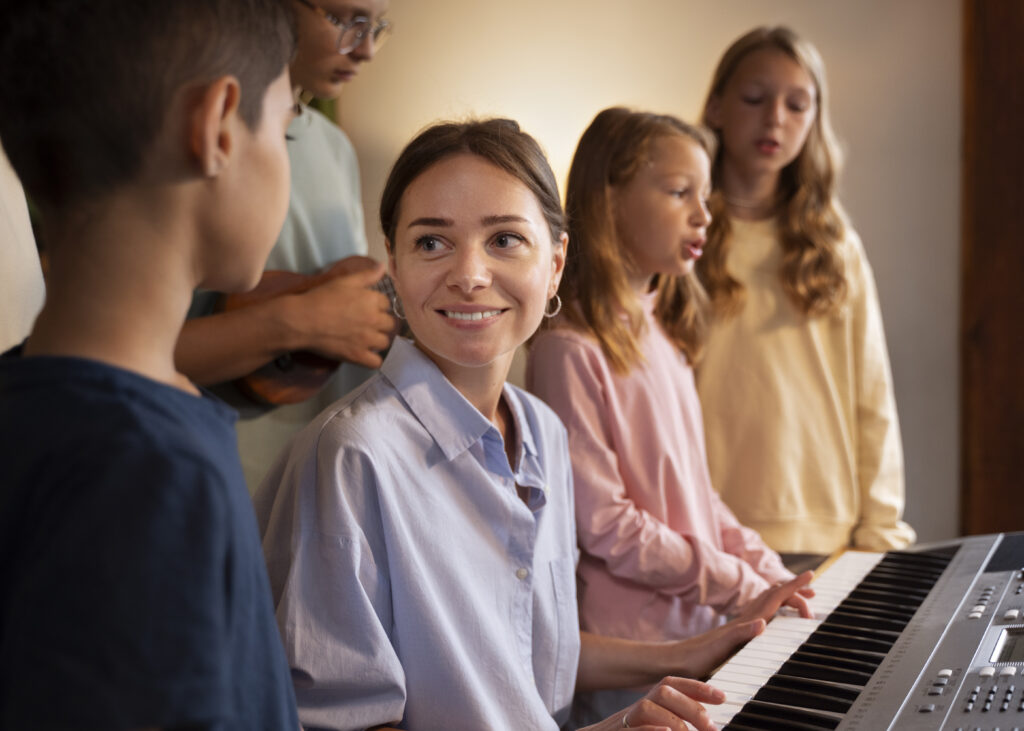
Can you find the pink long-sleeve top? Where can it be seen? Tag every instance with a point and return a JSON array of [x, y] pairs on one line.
[[662, 556]]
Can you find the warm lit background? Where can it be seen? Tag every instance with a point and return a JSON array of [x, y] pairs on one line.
[[894, 71]]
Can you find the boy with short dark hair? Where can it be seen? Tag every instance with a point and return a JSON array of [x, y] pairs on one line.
[[150, 135]]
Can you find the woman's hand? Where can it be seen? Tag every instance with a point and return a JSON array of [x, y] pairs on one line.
[[674, 704]]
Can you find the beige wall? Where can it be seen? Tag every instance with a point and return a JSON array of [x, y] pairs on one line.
[[894, 70]]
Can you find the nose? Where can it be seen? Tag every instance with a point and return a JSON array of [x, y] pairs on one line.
[[701, 216], [366, 49], [776, 111], [469, 270]]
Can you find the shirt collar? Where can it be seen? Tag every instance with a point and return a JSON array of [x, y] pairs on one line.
[[453, 422]]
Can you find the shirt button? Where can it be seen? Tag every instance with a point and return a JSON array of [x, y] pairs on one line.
[[522, 574]]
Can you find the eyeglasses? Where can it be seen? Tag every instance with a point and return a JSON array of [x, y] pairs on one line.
[[354, 32]]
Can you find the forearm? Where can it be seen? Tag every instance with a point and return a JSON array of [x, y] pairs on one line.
[[611, 662], [228, 345]]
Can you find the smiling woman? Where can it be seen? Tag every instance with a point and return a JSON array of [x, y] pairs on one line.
[[474, 280], [419, 534]]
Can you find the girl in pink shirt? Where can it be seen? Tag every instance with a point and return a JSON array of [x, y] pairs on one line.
[[662, 556]]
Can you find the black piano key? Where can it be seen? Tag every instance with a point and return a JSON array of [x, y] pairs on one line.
[[921, 559], [822, 636], [867, 621], [894, 589], [840, 692], [910, 582], [873, 594], [800, 699], [834, 657], [776, 717], [876, 608], [838, 627], [807, 693], [920, 573], [804, 669]]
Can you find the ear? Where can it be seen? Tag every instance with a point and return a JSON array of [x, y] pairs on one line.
[[213, 124], [713, 113], [560, 249], [390, 248]]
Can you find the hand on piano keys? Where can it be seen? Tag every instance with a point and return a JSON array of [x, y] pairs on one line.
[[790, 596], [806, 673]]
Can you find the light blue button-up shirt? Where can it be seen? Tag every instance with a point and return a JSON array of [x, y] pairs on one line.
[[412, 583]]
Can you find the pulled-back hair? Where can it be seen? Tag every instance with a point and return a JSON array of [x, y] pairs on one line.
[[810, 220], [86, 85], [498, 141], [595, 286]]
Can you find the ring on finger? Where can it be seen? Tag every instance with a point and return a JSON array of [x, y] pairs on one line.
[[625, 720]]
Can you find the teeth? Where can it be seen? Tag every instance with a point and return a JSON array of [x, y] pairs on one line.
[[471, 315]]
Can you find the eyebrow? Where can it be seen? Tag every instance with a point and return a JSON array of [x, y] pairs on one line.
[[486, 221]]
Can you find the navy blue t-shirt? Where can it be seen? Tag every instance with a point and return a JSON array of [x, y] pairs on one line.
[[133, 591]]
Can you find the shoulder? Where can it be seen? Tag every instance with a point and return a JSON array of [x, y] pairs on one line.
[[563, 351], [564, 342], [859, 275], [330, 133], [360, 435]]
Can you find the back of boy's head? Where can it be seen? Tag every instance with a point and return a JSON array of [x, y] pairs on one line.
[[86, 85]]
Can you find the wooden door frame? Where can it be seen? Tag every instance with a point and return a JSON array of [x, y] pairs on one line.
[[992, 268]]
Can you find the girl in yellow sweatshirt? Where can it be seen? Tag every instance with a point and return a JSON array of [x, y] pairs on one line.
[[802, 436]]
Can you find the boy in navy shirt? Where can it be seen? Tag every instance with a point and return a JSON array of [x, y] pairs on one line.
[[151, 137]]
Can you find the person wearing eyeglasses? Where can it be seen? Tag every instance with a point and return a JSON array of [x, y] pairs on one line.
[[342, 318]]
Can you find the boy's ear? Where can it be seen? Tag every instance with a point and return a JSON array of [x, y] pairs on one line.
[[212, 124]]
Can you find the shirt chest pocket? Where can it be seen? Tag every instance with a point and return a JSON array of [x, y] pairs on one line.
[[557, 635]]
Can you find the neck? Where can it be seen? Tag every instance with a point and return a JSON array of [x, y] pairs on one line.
[[641, 284], [481, 385], [118, 289], [749, 195]]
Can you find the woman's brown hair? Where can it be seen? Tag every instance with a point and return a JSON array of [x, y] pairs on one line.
[[810, 221], [498, 141]]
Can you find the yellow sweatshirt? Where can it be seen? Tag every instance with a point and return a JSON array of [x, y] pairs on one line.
[[802, 436]]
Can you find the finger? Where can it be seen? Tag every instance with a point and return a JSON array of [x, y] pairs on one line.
[[666, 705], [690, 689], [378, 342], [802, 580], [385, 323], [367, 358], [365, 277], [800, 604], [352, 265], [746, 630]]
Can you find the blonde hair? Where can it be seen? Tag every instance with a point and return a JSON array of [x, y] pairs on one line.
[[810, 220], [595, 287]]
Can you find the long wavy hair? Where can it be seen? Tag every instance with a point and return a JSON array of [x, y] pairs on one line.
[[595, 286], [810, 219]]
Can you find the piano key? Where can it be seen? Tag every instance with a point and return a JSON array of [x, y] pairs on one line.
[[778, 717]]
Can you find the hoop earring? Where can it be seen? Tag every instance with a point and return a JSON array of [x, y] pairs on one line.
[[558, 307], [396, 307]]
